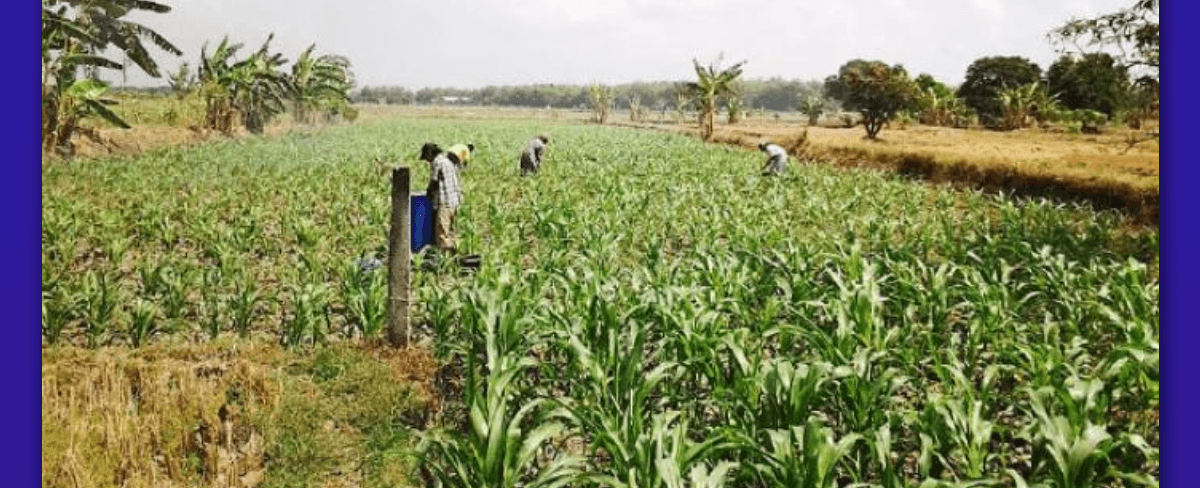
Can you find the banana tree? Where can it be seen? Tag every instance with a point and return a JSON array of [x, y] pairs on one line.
[[319, 81], [710, 85], [254, 88], [601, 98], [63, 109], [215, 82], [73, 32], [813, 107]]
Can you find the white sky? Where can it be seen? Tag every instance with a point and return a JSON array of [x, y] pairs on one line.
[[472, 43]]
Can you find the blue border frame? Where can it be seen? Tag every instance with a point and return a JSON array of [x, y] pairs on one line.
[[1178, 425], [21, 196]]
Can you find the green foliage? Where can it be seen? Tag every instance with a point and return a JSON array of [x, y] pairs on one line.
[[601, 101], [873, 89], [75, 34], [1132, 31], [736, 109], [936, 104], [987, 76], [812, 107], [252, 90], [319, 83], [1093, 82], [710, 86], [1019, 105], [656, 314]]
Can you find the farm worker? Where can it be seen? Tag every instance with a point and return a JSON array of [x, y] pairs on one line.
[[444, 194], [776, 158], [460, 154], [531, 157]]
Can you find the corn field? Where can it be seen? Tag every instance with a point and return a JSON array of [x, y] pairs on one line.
[[650, 311]]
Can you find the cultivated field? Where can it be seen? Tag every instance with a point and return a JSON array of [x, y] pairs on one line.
[[650, 312]]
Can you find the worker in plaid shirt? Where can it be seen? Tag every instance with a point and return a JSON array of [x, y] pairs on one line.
[[444, 194]]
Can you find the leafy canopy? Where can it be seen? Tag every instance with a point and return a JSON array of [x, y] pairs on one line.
[[1132, 32], [874, 89], [987, 76]]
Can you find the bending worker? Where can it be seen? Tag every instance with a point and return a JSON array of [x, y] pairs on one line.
[[776, 158], [531, 157]]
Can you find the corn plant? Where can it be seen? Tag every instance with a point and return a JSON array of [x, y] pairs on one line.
[[309, 319], [244, 303], [1070, 454], [653, 278], [960, 433], [364, 294], [101, 300], [802, 456], [143, 322], [498, 449]]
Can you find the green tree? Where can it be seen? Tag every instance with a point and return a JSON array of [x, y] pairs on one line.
[[1133, 32], [937, 104], [254, 89], [181, 81], [736, 108], [74, 34], [1094, 81], [601, 101], [319, 83], [813, 107], [1020, 104], [711, 84], [987, 76], [875, 90], [926, 82]]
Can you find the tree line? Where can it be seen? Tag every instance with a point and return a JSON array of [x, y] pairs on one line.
[[1108, 70], [776, 94]]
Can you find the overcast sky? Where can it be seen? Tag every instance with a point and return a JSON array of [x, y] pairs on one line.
[[472, 44]]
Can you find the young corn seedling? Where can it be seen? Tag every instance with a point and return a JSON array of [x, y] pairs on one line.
[[959, 435], [101, 299], [498, 449], [143, 322], [364, 293], [58, 309], [1071, 455], [802, 456], [309, 320], [244, 304]]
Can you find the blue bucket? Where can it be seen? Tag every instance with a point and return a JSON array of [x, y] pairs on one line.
[[422, 222]]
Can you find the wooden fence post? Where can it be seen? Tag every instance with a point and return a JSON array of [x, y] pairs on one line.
[[400, 260]]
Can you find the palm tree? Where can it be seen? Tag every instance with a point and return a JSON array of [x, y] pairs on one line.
[[710, 85], [317, 81], [73, 33]]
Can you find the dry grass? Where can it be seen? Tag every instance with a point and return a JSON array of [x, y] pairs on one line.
[[211, 414], [158, 416]]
